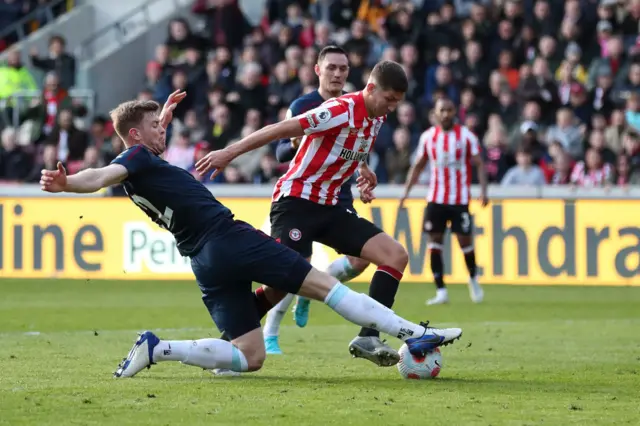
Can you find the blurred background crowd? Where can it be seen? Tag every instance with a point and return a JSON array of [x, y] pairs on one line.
[[551, 87]]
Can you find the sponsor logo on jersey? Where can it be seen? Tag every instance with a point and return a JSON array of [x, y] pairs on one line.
[[364, 146], [347, 154]]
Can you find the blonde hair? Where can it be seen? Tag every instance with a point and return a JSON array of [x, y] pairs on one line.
[[130, 114]]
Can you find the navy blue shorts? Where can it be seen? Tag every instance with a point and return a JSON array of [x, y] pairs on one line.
[[228, 264]]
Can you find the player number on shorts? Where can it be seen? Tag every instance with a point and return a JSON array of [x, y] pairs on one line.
[[466, 221], [163, 219]]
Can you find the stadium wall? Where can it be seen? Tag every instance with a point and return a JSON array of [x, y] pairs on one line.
[[546, 236]]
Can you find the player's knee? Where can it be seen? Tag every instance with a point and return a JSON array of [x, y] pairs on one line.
[[255, 360], [384, 250], [358, 264], [317, 285], [398, 256]]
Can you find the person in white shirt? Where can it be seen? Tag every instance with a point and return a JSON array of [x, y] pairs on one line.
[[525, 172]]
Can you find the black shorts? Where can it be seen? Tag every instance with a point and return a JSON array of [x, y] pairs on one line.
[[298, 223], [229, 263], [438, 216]]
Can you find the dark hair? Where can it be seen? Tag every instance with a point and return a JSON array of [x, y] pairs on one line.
[[389, 75], [523, 150], [331, 49], [99, 119], [57, 38]]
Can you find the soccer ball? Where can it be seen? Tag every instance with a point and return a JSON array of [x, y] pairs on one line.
[[417, 367]]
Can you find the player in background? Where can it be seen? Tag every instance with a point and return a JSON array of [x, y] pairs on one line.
[[451, 149], [226, 254], [332, 69], [336, 140]]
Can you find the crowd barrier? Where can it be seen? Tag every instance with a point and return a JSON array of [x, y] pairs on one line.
[[520, 239]]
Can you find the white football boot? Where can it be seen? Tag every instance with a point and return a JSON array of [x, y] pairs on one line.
[[140, 356], [475, 291], [223, 372], [442, 297], [374, 350]]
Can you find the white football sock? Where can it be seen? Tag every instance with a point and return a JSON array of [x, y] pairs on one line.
[[275, 316], [204, 353], [362, 310], [342, 270], [442, 292]]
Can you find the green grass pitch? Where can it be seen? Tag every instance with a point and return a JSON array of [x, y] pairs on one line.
[[529, 356]]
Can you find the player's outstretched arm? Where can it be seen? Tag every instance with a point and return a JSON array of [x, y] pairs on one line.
[[218, 160], [331, 115], [84, 182], [287, 129], [412, 178]]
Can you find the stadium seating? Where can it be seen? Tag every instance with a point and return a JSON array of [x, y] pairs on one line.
[[546, 84]]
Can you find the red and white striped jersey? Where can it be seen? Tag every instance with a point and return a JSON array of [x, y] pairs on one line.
[[591, 178], [450, 155], [338, 136]]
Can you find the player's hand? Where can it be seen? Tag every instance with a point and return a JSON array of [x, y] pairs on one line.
[[216, 161], [401, 204], [54, 180], [295, 143], [167, 110], [367, 174], [366, 193], [484, 200]]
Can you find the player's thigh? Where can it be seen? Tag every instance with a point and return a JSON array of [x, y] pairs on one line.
[[230, 301], [346, 232], [260, 258], [436, 217], [294, 225], [227, 295], [461, 221]]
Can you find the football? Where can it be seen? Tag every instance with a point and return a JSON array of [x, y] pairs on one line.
[[419, 368]]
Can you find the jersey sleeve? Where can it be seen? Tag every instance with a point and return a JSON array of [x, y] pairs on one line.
[[578, 172], [134, 159], [474, 144], [328, 116], [421, 149]]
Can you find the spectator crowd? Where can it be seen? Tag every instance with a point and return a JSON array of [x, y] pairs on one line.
[[26, 16], [551, 88]]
